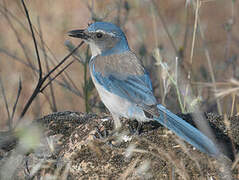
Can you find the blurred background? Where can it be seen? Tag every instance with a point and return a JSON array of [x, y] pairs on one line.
[[189, 47]]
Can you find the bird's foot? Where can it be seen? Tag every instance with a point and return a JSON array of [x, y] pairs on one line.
[[135, 127], [104, 136], [101, 134]]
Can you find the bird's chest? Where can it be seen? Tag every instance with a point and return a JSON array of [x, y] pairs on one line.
[[113, 102]]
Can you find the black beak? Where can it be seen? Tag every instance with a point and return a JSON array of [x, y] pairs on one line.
[[78, 34]]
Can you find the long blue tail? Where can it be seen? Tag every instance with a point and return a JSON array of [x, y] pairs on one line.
[[186, 131]]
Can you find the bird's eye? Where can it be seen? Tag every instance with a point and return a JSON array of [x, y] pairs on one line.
[[99, 35]]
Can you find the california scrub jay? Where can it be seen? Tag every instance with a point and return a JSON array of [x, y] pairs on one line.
[[125, 87]]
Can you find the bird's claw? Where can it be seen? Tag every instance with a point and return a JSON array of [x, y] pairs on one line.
[[135, 127]]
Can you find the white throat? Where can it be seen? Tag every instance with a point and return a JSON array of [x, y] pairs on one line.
[[94, 49]]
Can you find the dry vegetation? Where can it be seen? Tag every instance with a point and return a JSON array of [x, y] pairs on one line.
[[189, 47]]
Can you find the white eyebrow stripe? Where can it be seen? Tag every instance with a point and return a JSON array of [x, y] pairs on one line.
[[104, 32]]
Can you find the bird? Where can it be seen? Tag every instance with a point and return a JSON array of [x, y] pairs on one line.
[[125, 87]]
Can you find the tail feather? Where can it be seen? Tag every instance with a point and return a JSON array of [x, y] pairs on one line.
[[186, 131]]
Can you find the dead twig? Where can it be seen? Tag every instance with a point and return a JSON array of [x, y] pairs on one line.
[[41, 79]]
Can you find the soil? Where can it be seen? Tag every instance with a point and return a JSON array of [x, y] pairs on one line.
[[77, 145]]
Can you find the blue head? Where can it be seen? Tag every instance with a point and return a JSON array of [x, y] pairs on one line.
[[104, 38]]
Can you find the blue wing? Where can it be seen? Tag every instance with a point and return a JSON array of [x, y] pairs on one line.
[[135, 88], [124, 75]]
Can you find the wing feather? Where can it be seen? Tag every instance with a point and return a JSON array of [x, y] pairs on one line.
[[125, 76]]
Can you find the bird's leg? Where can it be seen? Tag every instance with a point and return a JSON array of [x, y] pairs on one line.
[[117, 123]]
